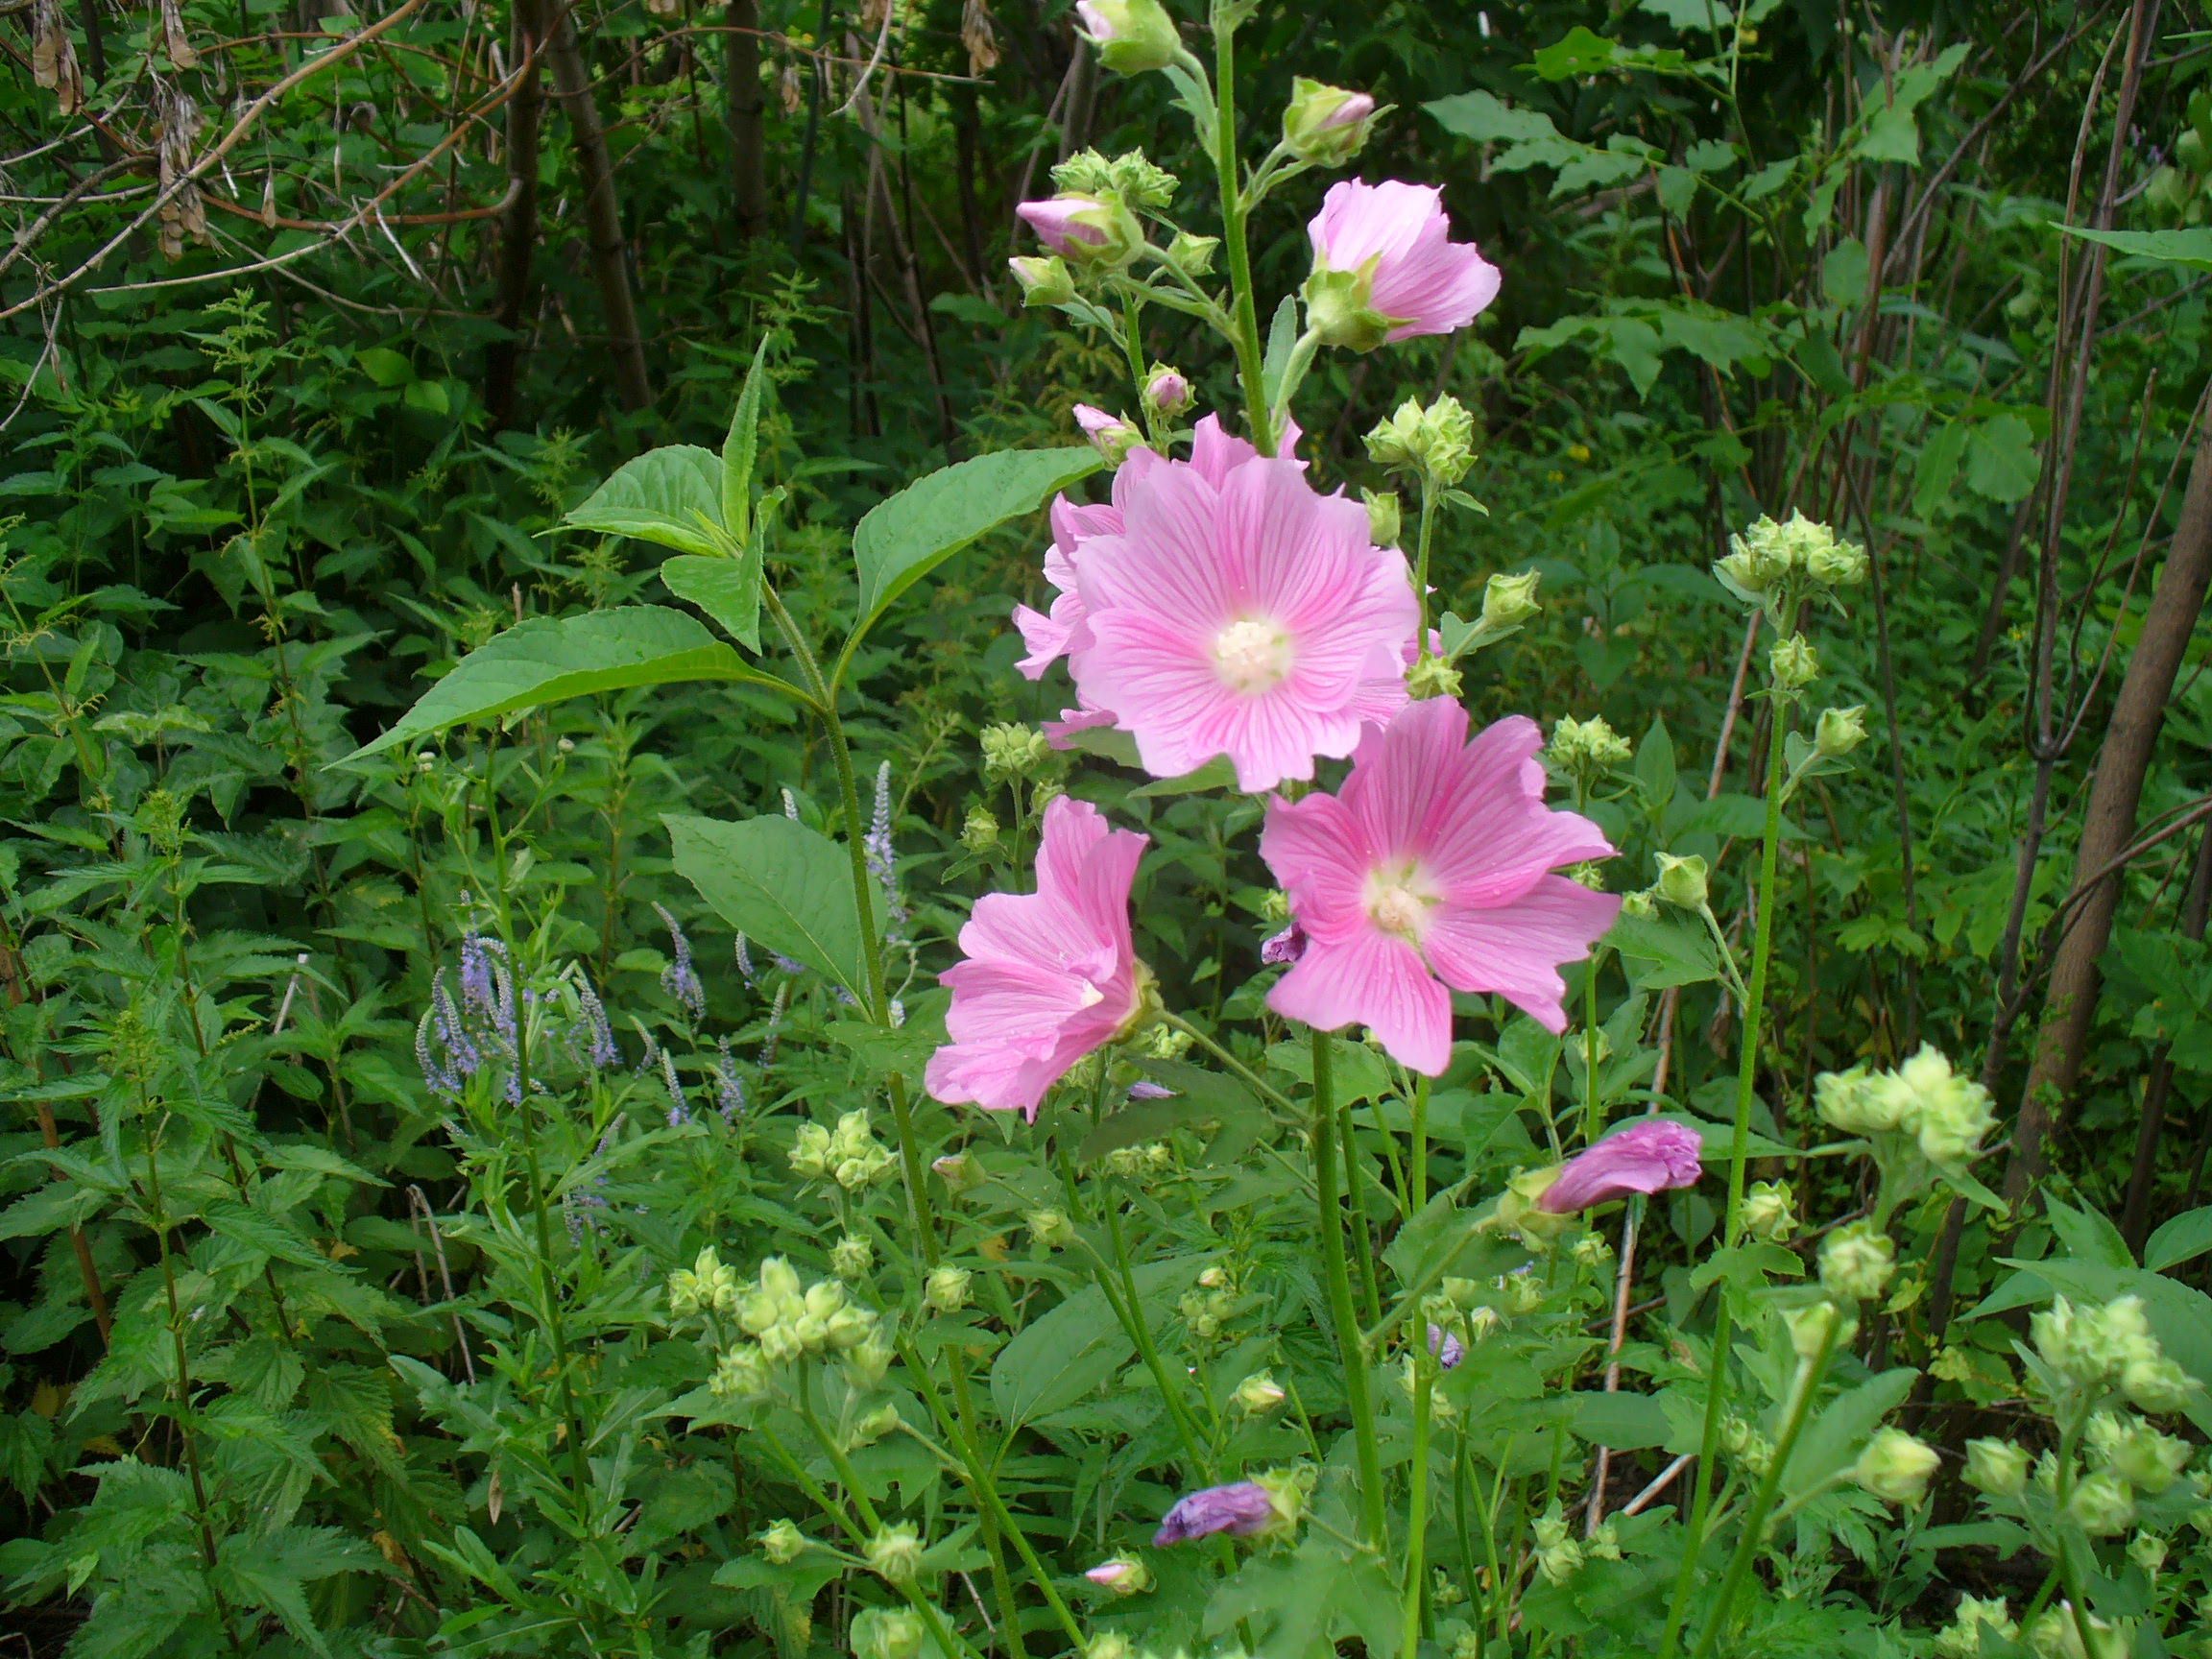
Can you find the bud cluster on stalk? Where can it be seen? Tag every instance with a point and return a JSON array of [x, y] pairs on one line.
[[848, 1155], [788, 1319], [1774, 564]]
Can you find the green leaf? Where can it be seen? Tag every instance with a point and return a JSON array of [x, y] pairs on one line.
[[671, 495], [726, 590], [1054, 1362], [740, 450], [2001, 459], [1677, 952], [258, 1233], [551, 658], [2190, 249], [1686, 15], [1939, 466], [1581, 52], [2184, 1239], [778, 881], [1485, 119], [1625, 1422], [1655, 766], [1843, 272], [1832, 1441], [902, 539], [1218, 773]]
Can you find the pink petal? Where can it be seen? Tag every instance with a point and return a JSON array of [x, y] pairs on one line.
[[1371, 980], [1321, 856], [1515, 948]]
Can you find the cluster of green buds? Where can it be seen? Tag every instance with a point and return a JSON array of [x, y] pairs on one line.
[[1769, 1211], [1961, 1638], [1775, 565], [1163, 1042], [1435, 442], [1587, 747], [1918, 1115], [1010, 751], [1140, 1163], [850, 1155], [787, 1319], [1742, 1440], [1560, 1554], [2093, 1351], [1209, 1302], [888, 1633], [709, 1286]]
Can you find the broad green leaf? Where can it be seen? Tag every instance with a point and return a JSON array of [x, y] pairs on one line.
[[1892, 132], [1580, 52], [1832, 1440], [259, 1233], [1218, 773], [726, 590], [780, 883], [1055, 1361], [1939, 466], [1655, 766], [2087, 1235], [1486, 119], [902, 539], [740, 450], [2001, 459], [2184, 1239], [1663, 951], [661, 496], [551, 658], [1625, 1422], [1843, 272], [2190, 249], [1686, 15]]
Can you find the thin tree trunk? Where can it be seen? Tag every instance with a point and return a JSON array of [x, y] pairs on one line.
[[518, 224], [2071, 1000], [742, 103], [2135, 1218], [602, 212]]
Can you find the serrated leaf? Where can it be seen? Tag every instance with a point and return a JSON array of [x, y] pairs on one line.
[[740, 449], [257, 1232], [671, 495], [1832, 1440], [549, 659], [2190, 249], [778, 881], [726, 590]]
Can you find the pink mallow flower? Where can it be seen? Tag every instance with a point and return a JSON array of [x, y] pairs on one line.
[[1649, 1156], [1048, 975], [1391, 242], [1428, 873], [1237, 611]]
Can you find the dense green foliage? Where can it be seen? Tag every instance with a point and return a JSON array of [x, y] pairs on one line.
[[488, 789]]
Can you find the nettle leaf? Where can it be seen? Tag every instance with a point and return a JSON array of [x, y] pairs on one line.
[[2190, 249], [902, 539], [726, 590], [2184, 1239], [776, 880], [671, 495], [1056, 1360], [549, 659]]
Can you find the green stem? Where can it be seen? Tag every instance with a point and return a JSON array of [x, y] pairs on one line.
[[1417, 1165], [1417, 1499], [1356, 1192], [1424, 539], [1131, 1313], [1340, 1310], [1250, 368], [1243, 1072], [2069, 1569]]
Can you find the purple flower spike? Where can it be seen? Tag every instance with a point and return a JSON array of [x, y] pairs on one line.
[[1448, 1347], [1241, 1508], [1646, 1157]]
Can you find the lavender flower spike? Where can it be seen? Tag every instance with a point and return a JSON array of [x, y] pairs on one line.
[[1649, 1156], [1241, 1508], [680, 979]]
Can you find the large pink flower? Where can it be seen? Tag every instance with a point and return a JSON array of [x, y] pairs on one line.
[[1048, 975], [1236, 611], [1397, 235], [1428, 869]]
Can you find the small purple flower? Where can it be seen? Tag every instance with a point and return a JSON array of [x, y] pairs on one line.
[[1448, 1347], [745, 970], [883, 858], [1144, 1089], [1284, 948], [730, 1091], [599, 1050], [680, 979], [679, 1114], [1650, 1156], [1241, 1508]]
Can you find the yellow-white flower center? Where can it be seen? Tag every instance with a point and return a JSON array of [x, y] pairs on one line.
[[1252, 657], [1092, 995], [1398, 901]]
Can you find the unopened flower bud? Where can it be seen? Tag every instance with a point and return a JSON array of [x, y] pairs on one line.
[[978, 833], [1121, 1575], [1682, 881], [1641, 905], [1194, 255], [853, 1259], [947, 1291], [1257, 1393], [1836, 564], [2147, 1550], [1997, 1467], [1768, 1211], [1384, 523], [1818, 1327], [1012, 750], [740, 1374], [1432, 677], [1508, 601], [2104, 1505], [1085, 229], [1840, 732], [1589, 745], [782, 1542], [1558, 1555], [1165, 391], [1792, 664], [1043, 278], [2137, 1452], [1325, 126], [1856, 1261], [1895, 1467], [1130, 35], [1112, 1644], [867, 1364], [1051, 1228], [888, 1633], [2157, 1384], [1111, 434]]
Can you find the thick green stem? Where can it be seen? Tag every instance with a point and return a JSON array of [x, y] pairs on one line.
[[1417, 1165], [1417, 1497], [1341, 1313], [1426, 540], [1131, 1313], [1250, 365]]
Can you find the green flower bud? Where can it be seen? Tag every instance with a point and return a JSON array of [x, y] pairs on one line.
[[958, 1170], [1856, 1261], [1258, 1393], [1091, 232], [1641, 905], [810, 1151], [2102, 1505], [1130, 36], [1325, 126], [1051, 1228], [2157, 1384], [1113, 1644], [1010, 751], [1997, 1467], [848, 1328], [853, 1259], [1840, 732], [1462, 1294], [1589, 746], [1895, 1467], [1122, 1576], [1769, 1210], [1816, 1325], [740, 1374], [1194, 255], [1432, 677], [888, 1633], [2058, 1635], [782, 1542], [947, 1291], [1385, 523], [2137, 1452], [2147, 1550], [1288, 1491], [979, 832], [1961, 1638], [1437, 441], [1167, 392], [867, 1364], [1682, 881], [1043, 278], [1792, 664], [1508, 601], [1558, 1555], [876, 1424]]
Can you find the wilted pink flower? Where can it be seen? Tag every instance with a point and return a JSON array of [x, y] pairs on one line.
[[1111, 434], [1048, 975], [1448, 1347], [1649, 1156], [1241, 1508], [1280, 950], [1395, 238], [1428, 869], [1238, 613]]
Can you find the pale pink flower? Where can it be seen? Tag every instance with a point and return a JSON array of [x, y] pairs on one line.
[[1239, 612], [1397, 236], [1068, 225], [1649, 1156], [1428, 873], [1112, 436], [1049, 976]]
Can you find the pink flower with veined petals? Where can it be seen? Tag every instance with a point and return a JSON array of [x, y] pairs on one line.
[[1048, 975], [1417, 278], [1649, 1156], [1430, 870], [1063, 222], [1239, 612]]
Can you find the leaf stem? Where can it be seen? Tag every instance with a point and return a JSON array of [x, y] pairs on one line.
[[1341, 1313]]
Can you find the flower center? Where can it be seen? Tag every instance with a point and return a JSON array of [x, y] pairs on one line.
[[1252, 657], [1398, 901]]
